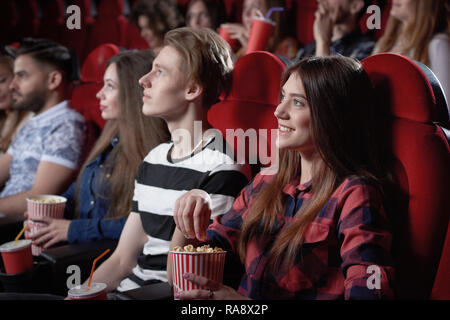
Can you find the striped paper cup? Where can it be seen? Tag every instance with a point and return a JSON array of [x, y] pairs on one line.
[[206, 264], [33, 227], [46, 206]]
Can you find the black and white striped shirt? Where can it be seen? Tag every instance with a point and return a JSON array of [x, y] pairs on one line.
[[161, 181]]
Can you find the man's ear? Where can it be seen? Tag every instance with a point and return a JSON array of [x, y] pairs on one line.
[[193, 91], [356, 6], [54, 79]]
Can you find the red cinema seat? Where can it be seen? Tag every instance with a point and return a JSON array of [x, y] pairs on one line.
[[441, 287], [83, 96], [28, 18], [133, 39], [52, 21], [77, 39], [110, 25], [254, 95], [385, 7], [9, 19], [411, 105]]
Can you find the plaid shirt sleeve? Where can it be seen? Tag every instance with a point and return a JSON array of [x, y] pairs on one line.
[[225, 229], [365, 244]]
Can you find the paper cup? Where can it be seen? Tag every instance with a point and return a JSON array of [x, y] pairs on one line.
[[46, 206], [97, 291], [260, 34], [17, 257], [33, 227], [206, 264], [224, 34]]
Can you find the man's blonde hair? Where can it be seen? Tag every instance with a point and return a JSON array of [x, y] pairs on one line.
[[206, 60]]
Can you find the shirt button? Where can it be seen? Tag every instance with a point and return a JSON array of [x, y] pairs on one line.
[[92, 202], [108, 175]]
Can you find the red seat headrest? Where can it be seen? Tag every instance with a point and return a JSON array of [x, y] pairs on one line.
[[389, 72], [110, 8], [254, 94], [95, 64], [251, 102]]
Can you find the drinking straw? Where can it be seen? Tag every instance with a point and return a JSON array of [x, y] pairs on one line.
[[93, 266], [21, 232], [269, 13]]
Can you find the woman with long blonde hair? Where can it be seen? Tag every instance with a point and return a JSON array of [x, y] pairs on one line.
[[420, 30], [312, 229], [100, 199]]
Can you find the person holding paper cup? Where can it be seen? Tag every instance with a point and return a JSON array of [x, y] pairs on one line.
[[312, 229], [279, 41]]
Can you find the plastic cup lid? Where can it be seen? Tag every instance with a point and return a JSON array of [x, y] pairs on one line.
[[13, 246], [83, 292], [265, 20]]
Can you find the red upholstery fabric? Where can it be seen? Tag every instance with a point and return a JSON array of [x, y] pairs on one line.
[[110, 25], [441, 288], [8, 22], [52, 21], [253, 97], [95, 63], [77, 39], [28, 18], [134, 39], [421, 164], [83, 96]]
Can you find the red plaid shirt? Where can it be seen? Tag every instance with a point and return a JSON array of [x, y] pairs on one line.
[[349, 235]]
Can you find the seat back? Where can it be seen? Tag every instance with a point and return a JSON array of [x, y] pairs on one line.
[[77, 39], [110, 25], [84, 95], [420, 151], [441, 287], [248, 108], [52, 21]]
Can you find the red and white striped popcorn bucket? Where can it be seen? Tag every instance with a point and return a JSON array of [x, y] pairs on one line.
[[206, 264], [43, 206], [46, 206], [33, 227]]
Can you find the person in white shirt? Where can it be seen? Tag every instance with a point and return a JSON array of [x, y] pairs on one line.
[[47, 150]]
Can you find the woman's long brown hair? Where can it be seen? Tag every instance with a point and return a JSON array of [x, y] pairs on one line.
[[138, 134], [429, 19], [340, 98]]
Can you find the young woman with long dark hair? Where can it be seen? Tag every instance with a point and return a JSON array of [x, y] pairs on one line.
[[317, 228]]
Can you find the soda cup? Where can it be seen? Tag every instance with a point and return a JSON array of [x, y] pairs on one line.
[[17, 257], [97, 291], [260, 34], [224, 34], [206, 264]]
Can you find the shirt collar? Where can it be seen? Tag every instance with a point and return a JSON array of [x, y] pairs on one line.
[[292, 187], [53, 112]]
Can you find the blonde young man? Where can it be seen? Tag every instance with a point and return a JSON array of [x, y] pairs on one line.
[[188, 75]]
